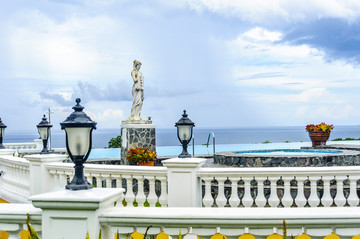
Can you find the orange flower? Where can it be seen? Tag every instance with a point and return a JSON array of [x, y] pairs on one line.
[[140, 155], [319, 127]]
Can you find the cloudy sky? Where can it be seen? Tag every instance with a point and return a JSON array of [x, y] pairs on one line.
[[230, 63]]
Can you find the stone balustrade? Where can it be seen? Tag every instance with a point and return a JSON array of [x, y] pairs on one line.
[[14, 179], [151, 186], [232, 223], [315, 200], [13, 218], [37, 144], [147, 184], [281, 187], [98, 212]]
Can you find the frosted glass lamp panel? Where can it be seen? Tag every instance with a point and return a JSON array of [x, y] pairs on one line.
[[185, 132], [2, 132], [78, 140], [43, 131]]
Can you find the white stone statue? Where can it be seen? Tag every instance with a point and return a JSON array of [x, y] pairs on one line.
[[137, 92]]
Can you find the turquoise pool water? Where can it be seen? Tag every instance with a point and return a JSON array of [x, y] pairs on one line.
[[201, 149]]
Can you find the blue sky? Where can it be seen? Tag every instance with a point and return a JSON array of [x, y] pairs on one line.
[[229, 63]]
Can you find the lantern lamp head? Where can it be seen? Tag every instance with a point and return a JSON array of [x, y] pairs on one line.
[[2, 132], [78, 129], [184, 132], [44, 131]]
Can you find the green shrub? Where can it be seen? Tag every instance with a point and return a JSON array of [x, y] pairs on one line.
[[115, 142]]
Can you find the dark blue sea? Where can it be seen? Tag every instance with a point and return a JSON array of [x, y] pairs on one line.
[[168, 137]]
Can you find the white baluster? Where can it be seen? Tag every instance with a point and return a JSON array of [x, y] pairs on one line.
[[313, 200], [152, 197], [129, 197], [163, 196], [208, 199], [260, 199], [118, 181], [108, 181], [340, 199], [300, 199], [273, 199], [326, 199], [140, 197], [247, 200], [353, 199], [99, 181], [234, 199], [221, 199], [287, 200]]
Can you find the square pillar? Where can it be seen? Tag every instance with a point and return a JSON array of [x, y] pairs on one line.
[[184, 186], [71, 214], [41, 181], [136, 133]]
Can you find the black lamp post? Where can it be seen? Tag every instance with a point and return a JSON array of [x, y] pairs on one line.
[[2, 132], [78, 127], [184, 132], [44, 131]]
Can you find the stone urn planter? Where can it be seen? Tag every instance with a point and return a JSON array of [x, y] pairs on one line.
[[319, 138], [151, 163], [319, 133]]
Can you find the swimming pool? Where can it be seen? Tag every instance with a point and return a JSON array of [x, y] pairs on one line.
[[288, 152], [202, 149]]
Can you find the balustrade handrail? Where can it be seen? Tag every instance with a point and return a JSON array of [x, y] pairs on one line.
[[17, 213], [6, 145], [282, 171], [110, 169], [14, 161], [232, 222]]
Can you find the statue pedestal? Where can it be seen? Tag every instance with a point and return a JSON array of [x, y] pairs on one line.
[[136, 133]]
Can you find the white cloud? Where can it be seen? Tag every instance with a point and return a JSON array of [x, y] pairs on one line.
[[80, 47], [278, 11], [107, 118], [258, 56]]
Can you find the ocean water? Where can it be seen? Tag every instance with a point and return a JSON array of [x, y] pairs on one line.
[[168, 137]]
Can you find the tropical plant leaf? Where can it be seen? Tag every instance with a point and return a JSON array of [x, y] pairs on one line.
[[32, 233], [146, 232]]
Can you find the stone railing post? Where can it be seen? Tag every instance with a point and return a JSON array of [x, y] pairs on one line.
[[41, 181], [184, 186], [39, 144], [71, 214]]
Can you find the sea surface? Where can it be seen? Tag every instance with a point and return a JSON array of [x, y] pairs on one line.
[[168, 137]]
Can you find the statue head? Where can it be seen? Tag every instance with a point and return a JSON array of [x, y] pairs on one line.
[[136, 63]]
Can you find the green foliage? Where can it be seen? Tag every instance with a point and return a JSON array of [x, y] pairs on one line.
[[146, 232], [140, 155], [337, 139], [32, 233], [266, 142], [115, 142], [346, 139]]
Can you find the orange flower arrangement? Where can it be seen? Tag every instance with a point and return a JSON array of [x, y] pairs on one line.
[[140, 155], [319, 127]]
